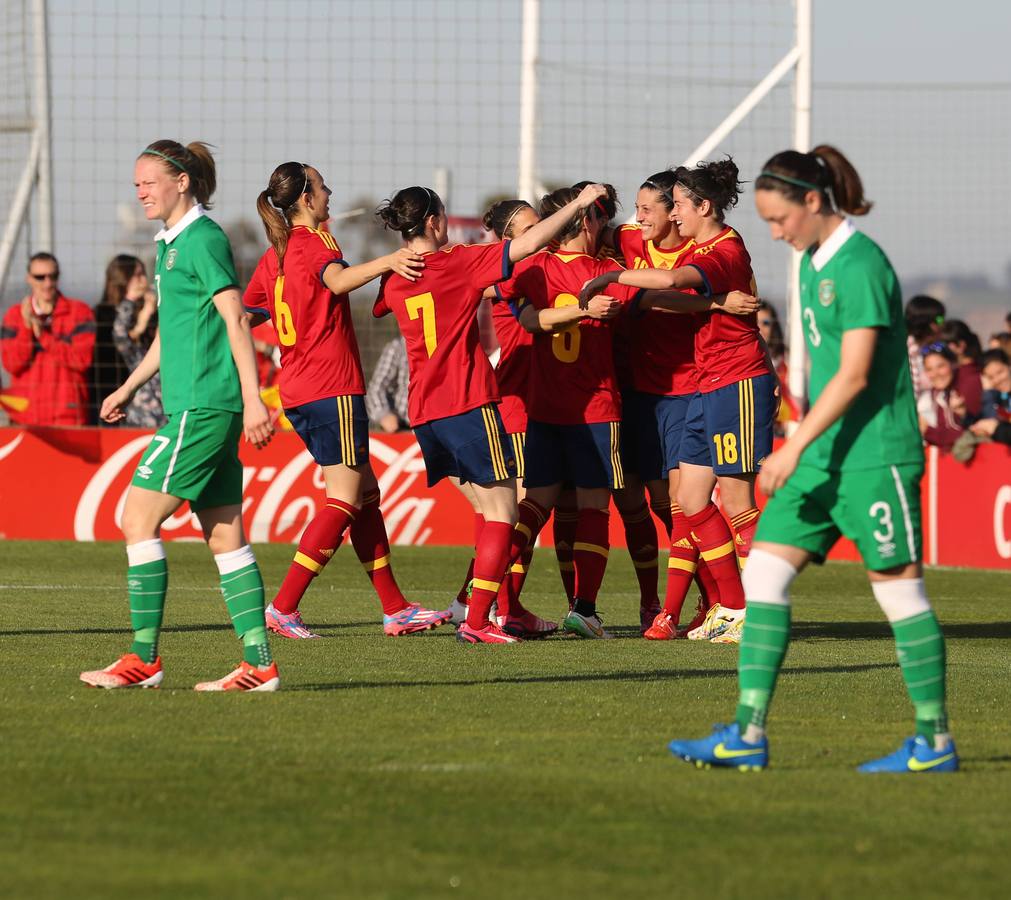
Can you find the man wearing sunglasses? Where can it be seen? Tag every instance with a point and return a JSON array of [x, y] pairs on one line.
[[47, 343]]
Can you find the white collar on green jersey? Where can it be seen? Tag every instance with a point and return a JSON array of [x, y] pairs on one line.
[[170, 234], [843, 232]]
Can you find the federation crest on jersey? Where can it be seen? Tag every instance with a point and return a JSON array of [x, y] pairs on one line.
[[170, 258], [826, 291]]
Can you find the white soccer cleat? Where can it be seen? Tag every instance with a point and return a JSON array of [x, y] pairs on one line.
[[718, 620]]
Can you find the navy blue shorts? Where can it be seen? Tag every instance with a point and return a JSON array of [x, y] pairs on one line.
[[658, 423], [335, 430], [587, 456], [730, 429], [473, 446]]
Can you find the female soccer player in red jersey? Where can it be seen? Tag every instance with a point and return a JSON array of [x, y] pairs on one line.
[[575, 409], [729, 421], [302, 284], [660, 384], [453, 396]]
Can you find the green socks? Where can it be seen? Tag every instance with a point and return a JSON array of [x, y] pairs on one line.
[[147, 582], [242, 587], [763, 647], [920, 647]]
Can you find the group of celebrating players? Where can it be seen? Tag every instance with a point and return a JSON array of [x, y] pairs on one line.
[[630, 367]]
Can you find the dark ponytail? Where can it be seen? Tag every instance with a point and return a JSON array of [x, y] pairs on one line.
[[409, 210], [551, 203], [499, 216], [194, 160], [825, 170], [279, 202], [713, 181], [608, 203]]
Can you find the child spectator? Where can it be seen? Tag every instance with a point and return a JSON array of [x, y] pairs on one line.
[[995, 423], [955, 396]]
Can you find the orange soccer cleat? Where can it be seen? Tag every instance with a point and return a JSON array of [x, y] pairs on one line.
[[245, 678], [127, 671]]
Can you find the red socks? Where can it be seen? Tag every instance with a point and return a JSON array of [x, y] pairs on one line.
[[565, 521], [489, 569], [682, 565], [372, 545], [509, 596], [589, 553], [319, 542], [640, 535], [711, 534], [744, 526], [478, 528]]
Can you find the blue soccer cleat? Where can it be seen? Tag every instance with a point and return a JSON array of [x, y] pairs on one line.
[[915, 755], [724, 747]]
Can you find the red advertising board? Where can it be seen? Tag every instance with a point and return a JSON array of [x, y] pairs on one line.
[[69, 484]]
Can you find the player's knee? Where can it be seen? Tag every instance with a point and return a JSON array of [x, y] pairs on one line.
[[900, 598], [767, 578]]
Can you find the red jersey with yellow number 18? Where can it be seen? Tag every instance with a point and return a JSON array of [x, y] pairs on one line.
[[437, 314], [661, 349], [572, 381], [319, 350], [728, 348]]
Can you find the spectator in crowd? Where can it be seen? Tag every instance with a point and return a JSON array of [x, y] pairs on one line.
[[963, 342], [924, 318], [129, 292], [955, 396], [108, 369], [386, 396], [47, 343], [995, 422], [1001, 340]]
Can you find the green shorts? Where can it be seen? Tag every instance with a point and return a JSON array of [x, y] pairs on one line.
[[195, 456], [877, 509]]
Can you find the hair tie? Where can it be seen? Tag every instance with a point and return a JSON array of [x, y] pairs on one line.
[[519, 206], [797, 182], [305, 172], [650, 183], [167, 158]]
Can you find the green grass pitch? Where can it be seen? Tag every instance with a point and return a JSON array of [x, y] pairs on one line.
[[420, 767]]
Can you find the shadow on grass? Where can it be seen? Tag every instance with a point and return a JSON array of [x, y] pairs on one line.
[[651, 675], [30, 632], [882, 630]]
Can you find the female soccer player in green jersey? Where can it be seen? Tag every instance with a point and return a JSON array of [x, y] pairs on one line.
[[204, 352], [852, 468]]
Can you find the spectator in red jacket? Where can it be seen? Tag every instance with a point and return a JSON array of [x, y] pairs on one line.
[[956, 396], [47, 343]]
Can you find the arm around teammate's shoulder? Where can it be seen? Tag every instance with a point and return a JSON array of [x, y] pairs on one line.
[[344, 279]]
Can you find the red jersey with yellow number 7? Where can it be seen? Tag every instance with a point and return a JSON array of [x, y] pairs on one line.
[[319, 350], [437, 314]]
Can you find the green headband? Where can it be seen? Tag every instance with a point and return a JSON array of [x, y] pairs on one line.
[[794, 181], [167, 158]]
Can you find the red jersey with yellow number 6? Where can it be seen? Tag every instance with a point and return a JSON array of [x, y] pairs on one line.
[[572, 381], [728, 348], [437, 314], [319, 350]]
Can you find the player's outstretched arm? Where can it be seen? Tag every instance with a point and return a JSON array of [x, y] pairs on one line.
[[538, 321], [736, 303], [646, 279], [855, 359], [403, 262], [255, 418], [114, 406], [541, 234]]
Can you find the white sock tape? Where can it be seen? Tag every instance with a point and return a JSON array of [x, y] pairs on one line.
[[900, 598], [145, 552], [234, 560], [767, 578]]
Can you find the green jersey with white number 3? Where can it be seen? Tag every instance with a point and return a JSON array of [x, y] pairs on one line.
[[849, 283]]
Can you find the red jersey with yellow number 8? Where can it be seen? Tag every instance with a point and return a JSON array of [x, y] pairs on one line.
[[572, 381], [437, 314], [319, 350]]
